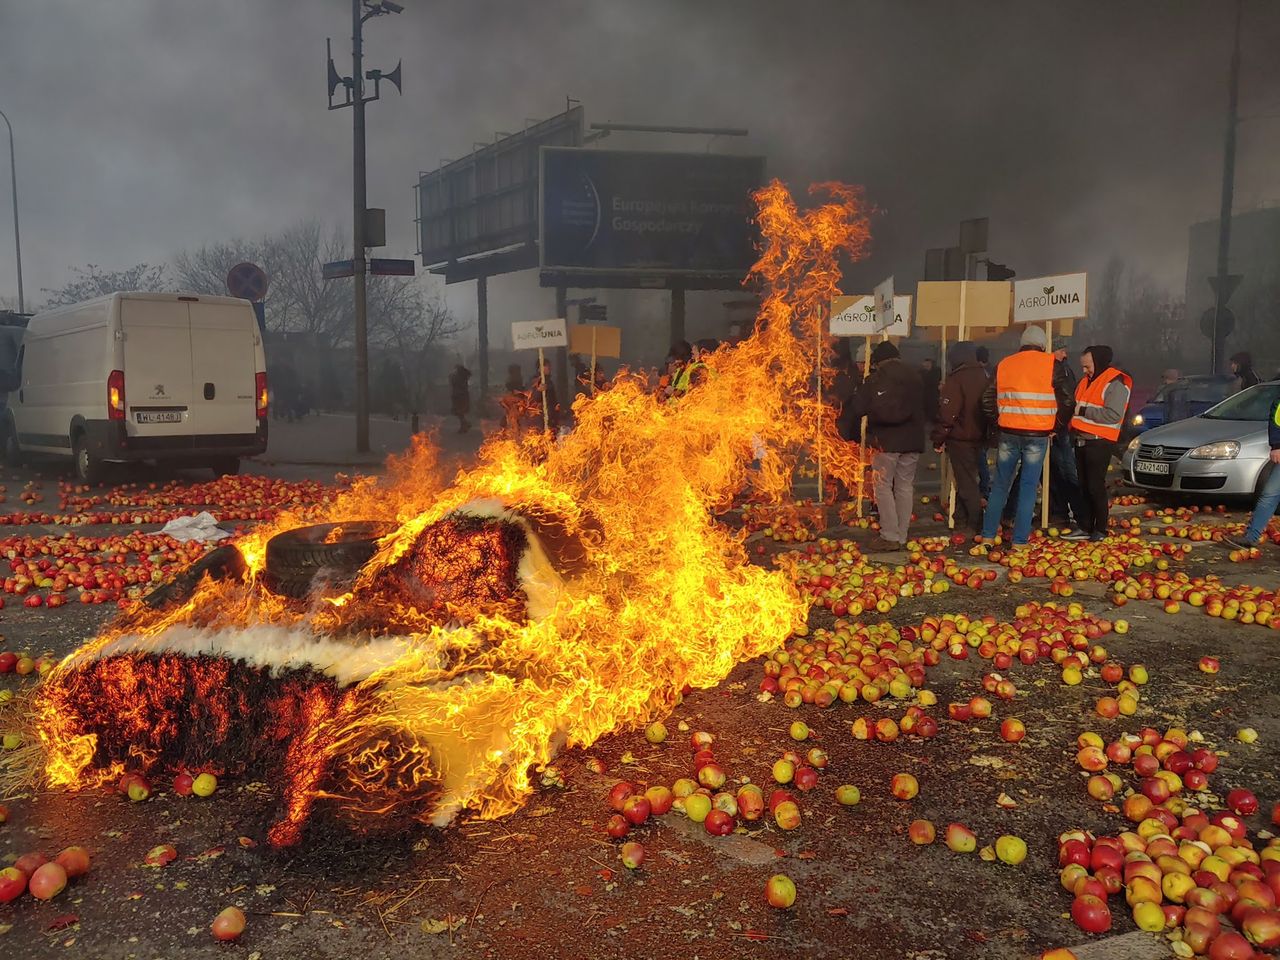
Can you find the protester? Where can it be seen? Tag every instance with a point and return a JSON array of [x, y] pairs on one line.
[[960, 428], [1065, 495], [678, 357], [1101, 400], [1026, 401], [1170, 376], [984, 465], [460, 396], [534, 413], [1242, 368], [931, 377], [694, 371], [892, 400], [1269, 495]]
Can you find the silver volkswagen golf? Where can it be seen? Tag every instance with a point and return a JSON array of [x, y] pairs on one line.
[[1223, 451]]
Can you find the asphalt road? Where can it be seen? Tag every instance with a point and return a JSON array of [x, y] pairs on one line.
[[547, 882]]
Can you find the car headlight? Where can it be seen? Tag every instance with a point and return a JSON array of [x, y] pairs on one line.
[[1133, 444], [1137, 420], [1222, 450]]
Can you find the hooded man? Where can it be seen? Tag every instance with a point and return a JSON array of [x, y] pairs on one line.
[[1028, 399], [961, 429], [1242, 367], [892, 400], [1102, 399]]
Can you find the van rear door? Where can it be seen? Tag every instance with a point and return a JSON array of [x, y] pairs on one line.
[[157, 367], [223, 369]]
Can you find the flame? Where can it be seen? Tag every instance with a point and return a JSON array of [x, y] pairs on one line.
[[465, 694]]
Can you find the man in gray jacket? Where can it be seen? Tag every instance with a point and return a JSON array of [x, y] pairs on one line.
[[1102, 398]]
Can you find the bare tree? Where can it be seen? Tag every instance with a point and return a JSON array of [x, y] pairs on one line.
[[411, 324], [93, 281]]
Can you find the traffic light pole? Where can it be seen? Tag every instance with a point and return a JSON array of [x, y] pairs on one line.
[[1223, 291], [358, 237]]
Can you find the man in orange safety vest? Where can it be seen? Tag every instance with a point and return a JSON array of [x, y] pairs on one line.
[[1029, 402], [1102, 398]]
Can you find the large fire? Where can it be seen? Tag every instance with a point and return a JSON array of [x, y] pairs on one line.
[[553, 594]]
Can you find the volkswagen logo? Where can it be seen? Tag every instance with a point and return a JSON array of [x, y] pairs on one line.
[[1157, 452]]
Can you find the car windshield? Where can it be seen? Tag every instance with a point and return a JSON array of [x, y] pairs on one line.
[[1252, 404]]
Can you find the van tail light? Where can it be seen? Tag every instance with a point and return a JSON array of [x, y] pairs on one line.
[[115, 395], [260, 392]]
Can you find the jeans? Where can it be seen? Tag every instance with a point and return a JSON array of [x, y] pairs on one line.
[[1265, 508], [1015, 450], [984, 473], [1065, 485], [895, 484]]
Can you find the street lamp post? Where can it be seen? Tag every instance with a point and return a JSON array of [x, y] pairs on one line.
[[17, 235], [361, 10]]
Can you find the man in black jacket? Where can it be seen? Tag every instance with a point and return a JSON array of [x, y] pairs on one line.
[[892, 400]]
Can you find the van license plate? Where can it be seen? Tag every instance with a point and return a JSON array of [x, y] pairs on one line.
[[158, 416], [1147, 466]]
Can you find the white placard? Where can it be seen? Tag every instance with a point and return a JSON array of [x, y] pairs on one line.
[[856, 317], [531, 334], [1062, 297], [884, 304]]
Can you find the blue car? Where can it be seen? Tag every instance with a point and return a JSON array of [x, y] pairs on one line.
[[1180, 400]]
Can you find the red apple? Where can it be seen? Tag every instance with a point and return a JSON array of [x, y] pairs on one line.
[[780, 891], [619, 794], [182, 784], [13, 884], [1012, 730], [48, 881], [29, 863], [660, 800], [1091, 914], [74, 860], [718, 823], [636, 809], [229, 924], [1242, 802]]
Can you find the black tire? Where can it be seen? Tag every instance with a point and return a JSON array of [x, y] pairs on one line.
[[340, 549], [293, 589], [88, 468], [226, 466], [220, 563]]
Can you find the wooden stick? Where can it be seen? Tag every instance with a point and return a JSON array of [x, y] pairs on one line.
[[593, 361], [1044, 476], [862, 448], [817, 439], [542, 376]]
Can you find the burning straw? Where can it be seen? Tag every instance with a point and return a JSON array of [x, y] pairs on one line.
[[436, 715]]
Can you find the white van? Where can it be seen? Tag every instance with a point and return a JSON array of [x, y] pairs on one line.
[[140, 376]]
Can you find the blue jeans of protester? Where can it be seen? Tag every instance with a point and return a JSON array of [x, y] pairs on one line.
[[1014, 450], [1265, 508]]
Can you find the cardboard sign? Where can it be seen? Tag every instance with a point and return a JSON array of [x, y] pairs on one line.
[[856, 317], [608, 340], [1062, 297], [986, 304], [532, 334], [885, 308]]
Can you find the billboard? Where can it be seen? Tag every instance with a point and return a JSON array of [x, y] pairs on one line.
[[619, 218], [856, 317], [488, 200]]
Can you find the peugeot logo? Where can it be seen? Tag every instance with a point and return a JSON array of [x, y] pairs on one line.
[[160, 390], [1157, 452]]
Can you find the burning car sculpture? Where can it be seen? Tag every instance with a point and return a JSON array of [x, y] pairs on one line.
[[437, 640]]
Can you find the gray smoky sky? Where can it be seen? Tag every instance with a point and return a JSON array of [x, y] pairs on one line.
[[1083, 129]]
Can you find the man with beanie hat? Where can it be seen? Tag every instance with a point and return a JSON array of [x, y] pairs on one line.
[[1027, 400], [961, 429], [892, 400], [1102, 397]]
